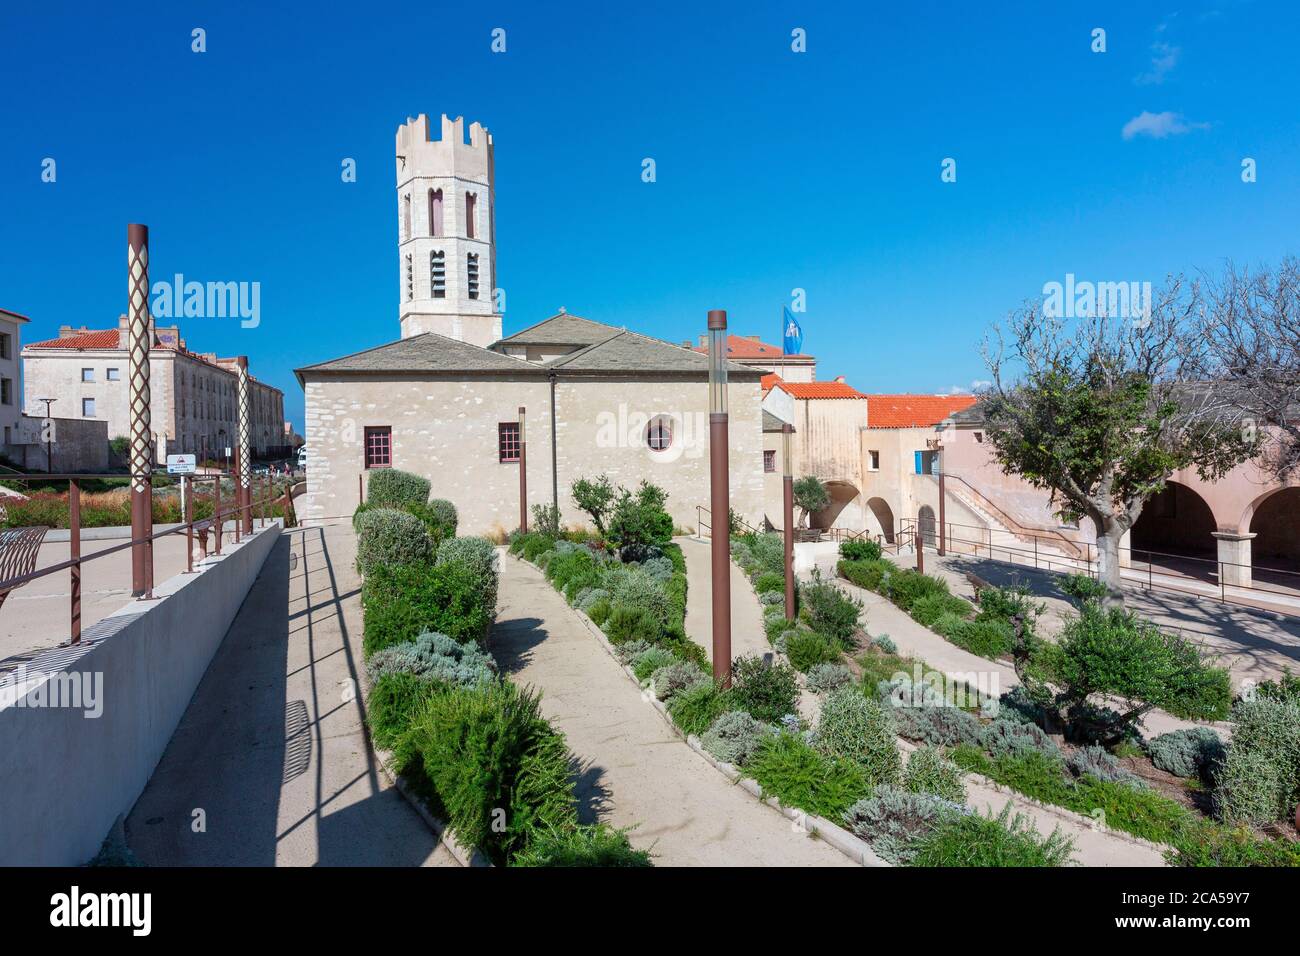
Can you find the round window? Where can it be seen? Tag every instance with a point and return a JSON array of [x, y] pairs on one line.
[[659, 433]]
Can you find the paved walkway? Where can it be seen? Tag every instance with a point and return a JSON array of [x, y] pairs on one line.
[[747, 635], [632, 768], [273, 749]]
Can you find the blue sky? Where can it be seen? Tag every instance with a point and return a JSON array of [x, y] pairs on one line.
[[775, 170]]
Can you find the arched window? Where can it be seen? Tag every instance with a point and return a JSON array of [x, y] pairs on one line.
[[406, 216], [435, 212], [659, 433], [471, 201]]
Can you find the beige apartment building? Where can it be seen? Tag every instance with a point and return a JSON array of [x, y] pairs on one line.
[[192, 395]]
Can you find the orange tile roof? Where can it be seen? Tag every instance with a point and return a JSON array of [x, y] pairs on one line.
[[739, 347], [105, 339], [913, 411], [810, 390]]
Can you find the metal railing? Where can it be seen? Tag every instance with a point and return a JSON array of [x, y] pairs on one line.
[[260, 506], [1159, 576], [701, 524], [1013, 524]]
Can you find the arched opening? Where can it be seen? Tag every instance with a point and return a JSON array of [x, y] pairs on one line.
[[845, 509], [925, 524], [1275, 549], [883, 516], [435, 212], [1175, 532]]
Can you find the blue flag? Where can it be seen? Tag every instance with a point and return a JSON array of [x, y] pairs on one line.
[[793, 335]]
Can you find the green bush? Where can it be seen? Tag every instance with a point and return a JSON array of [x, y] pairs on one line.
[[633, 587], [1003, 736], [1004, 840], [856, 728], [775, 626], [626, 623], [769, 582], [480, 556], [767, 691], [941, 726], [638, 522], [1005, 603], [529, 546], [830, 611], [486, 750], [1082, 588], [565, 566], [906, 586], [676, 678], [824, 678], [434, 657], [1191, 752], [394, 700], [387, 536], [734, 737], [929, 771], [799, 776], [599, 612], [402, 601], [650, 660], [929, 608], [1259, 780], [806, 649], [885, 643], [585, 846], [860, 549], [393, 488], [685, 649], [894, 821], [696, 708], [768, 552], [987, 638], [1285, 688], [1094, 761], [866, 574]]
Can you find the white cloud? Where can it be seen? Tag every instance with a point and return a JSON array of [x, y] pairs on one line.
[[1164, 57], [1159, 125]]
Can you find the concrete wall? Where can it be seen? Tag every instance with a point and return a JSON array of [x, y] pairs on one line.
[[446, 430], [80, 444], [67, 776]]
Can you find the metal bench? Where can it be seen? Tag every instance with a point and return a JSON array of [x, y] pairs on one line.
[[19, 548]]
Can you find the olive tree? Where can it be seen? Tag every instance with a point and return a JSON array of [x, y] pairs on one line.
[[810, 495], [1101, 410]]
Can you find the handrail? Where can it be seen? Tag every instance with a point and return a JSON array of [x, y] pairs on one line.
[[1012, 524], [700, 511]]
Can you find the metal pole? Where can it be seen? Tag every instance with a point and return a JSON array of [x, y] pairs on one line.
[[239, 500], [920, 551], [719, 497], [523, 473], [216, 517], [943, 532], [139, 342], [787, 519], [188, 517], [74, 552], [245, 455]]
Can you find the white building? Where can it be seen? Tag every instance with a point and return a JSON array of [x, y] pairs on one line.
[[11, 408]]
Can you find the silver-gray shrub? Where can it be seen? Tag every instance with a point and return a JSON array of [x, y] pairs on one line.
[[1190, 752], [1010, 737], [1098, 762], [885, 643], [929, 771], [1259, 780], [652, 658], [480, 556], [894, 821], [826, 677], [862, 730], [635, 587], [435, 657], [660, 568], [629, 650], [386, 536], [672, 679], [587, 597], [735, 736], [941, 726]]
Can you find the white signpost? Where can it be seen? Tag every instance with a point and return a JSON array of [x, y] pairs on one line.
[[181, 465]]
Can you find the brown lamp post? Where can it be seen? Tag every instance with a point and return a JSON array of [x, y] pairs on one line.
[[720, 497], [787, 488], [523, 474], [139, 340]]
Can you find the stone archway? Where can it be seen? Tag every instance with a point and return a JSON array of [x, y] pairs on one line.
[[884, 517], [845, 509], [1175, 532], [1275, 523]]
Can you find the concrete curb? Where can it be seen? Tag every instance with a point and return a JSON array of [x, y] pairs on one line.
[[857, 850]]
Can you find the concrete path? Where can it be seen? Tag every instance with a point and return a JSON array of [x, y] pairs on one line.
[[632, 768], [747, 636], [273, 749]]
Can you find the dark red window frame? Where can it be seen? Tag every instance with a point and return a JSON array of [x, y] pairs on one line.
[[508, 442], [379, 446], [769, 461]]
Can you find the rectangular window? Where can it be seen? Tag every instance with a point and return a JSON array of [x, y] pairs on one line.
[[471, 270], [379, 446], [410, 279], [5, 347], [769, 460], [87, 374], [87, 408], [873, 458], [470, 202], [114, 375], [438, 273], [6, 391], [508, 442]]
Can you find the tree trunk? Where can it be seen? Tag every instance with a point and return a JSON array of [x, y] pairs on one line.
[[1109, 534]]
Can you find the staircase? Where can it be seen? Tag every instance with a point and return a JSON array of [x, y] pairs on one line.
[[1005, 535]]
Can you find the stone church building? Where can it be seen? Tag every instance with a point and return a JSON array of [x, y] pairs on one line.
[[445, 399]]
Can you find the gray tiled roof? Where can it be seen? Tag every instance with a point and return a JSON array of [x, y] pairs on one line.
[[428, 352], [633, 352], [771, 423], [561, 329]]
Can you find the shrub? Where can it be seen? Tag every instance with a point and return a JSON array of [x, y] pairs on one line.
[[596, 498], [906, 586], [546, 520], [1004, 840], [799, 776], [1094, 761], [394, 488], [767, 691], [589, 596], [639, 522], [823, 678], [885, 643], [1287, 687], [1016, 704], [866, 574], [1191, 752], [404, 600], [987, 638], [769, 582], [696, 708], [734, 737], [626, 623], [1259, 781], [1003, 736], [1081, 588], [480, 556], [1005, 603], [533, 545], [929, 608], [940, 726], [649, 660], [599, 612], [486, 750], [394, 700], [575, 563], [808, 648], [628, 651], [598, 845], [775, 626], [894, 821], [387, 536], [633, 587], [852, 727], [830, 611], [672, 679], [768, 554], [434, 657], [929, 771], [860, 549], [685, 649]]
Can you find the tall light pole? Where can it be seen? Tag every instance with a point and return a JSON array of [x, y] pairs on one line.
[[787, 489], [523, 474], [138, 343], [49, 441], [720, 497]]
